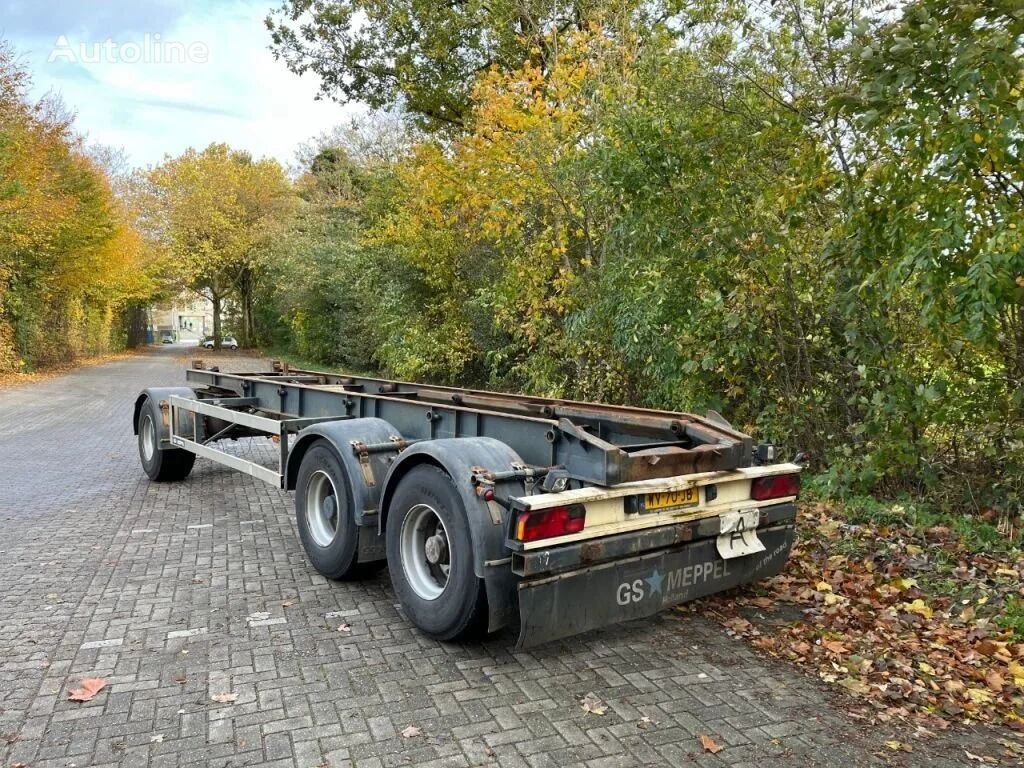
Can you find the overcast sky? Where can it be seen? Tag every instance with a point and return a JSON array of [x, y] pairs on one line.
[[141, 96]]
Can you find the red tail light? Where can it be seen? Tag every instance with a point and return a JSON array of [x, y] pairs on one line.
[[549, 523], [774, 487]]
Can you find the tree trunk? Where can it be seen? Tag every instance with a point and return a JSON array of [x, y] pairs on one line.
[[245, 296], [135, 322], [216, 301], [250, 330], [246, 286]]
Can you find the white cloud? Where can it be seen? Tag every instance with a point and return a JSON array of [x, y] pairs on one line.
[[240, 95]]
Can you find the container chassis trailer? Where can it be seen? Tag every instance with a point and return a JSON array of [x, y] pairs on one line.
[[491, 509]]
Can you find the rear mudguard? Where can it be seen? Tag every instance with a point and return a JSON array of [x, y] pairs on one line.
[[461, 458], [159, 395], [566, 604]]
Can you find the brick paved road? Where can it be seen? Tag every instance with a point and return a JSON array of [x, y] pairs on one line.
[[178, 592]]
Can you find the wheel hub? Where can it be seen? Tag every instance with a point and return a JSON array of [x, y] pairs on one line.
[[322, 508], [425, 552], [436, 547]]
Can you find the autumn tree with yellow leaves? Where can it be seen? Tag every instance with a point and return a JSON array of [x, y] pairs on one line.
[[217, 212], [71, 260]]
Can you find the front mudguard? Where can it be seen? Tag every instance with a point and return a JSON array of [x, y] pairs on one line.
[[461, 458], [364, 474], [159, 395]]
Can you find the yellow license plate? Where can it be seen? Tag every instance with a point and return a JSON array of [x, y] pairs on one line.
[[688, 497]]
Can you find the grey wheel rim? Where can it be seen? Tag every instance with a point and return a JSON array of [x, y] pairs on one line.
[[148, 438], [425, 552], [322, 508]]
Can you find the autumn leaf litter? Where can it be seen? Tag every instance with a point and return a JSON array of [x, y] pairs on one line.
[[904, 620]]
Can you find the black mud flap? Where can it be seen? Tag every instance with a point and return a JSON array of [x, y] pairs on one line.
[[569, 603]]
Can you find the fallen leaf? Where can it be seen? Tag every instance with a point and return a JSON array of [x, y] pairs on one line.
[[709, 745], [855, 685], [979, 758], [1013, 746], [592, 704], [411, 732], [919, 607], [90, 687], [288, 604], [994, 681], [898, 746], [834, 646], [644, 723], [979, 695], [1016, 669], [987, 648], [225, 698]]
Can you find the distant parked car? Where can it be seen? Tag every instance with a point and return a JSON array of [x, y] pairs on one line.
[[227, 342], [166, 337]]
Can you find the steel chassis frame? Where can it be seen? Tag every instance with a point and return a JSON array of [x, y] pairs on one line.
[[595, 444]]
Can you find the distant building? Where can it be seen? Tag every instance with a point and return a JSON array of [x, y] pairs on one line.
[[189, 318]]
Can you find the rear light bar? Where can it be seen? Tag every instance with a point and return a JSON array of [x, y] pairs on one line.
[[550, 523], [774, 487]]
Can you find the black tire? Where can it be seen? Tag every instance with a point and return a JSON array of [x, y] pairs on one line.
[[161, 465], [459, 612], [335, 555]]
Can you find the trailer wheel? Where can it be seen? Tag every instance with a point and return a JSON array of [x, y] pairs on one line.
[[323, 511], [430, 557], [161, 465]]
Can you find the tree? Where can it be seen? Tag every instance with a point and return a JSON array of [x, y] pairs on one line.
[[422, 55], [336, 297], [940, 211], [216, 211], [70, 257]]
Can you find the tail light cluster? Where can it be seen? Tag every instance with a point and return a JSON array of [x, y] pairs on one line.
[[774, 487], [550, 523]]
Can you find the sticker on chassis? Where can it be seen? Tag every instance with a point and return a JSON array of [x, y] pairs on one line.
[[567, 604]]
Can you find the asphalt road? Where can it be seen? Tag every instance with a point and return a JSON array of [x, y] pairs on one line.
[[179, 593]]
